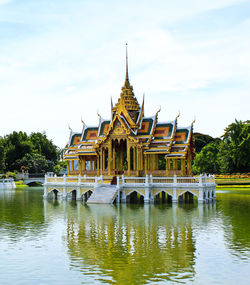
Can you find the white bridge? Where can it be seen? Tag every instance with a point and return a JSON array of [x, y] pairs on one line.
[[126, 189], [7, 183], [30, 178]]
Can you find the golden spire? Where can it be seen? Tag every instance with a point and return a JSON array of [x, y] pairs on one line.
[[126, 77]]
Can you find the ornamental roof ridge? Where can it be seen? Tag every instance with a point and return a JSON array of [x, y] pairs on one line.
[[124, 119]]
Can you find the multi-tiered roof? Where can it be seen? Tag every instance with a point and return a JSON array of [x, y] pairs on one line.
[[128, 117]]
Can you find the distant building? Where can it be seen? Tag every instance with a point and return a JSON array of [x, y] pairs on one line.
[[130, 143]]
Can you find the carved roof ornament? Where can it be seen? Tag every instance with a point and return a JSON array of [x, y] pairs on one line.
[[127, 104]]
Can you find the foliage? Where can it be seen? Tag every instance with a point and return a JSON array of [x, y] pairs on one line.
[[2, 157], [35, 153], [235, 148], [35, 163], [60, 166], [202, 140], [10, 174], [229, 155], [207, 160]]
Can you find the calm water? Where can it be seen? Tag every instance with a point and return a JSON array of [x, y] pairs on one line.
[[58, 242]]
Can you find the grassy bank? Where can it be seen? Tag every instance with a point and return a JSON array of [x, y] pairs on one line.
[[20, 184], [223, 181]]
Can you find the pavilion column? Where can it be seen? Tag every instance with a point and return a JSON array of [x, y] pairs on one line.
[[141, 159], [146, 163], [156, 162], [183, 167], [167, 166], [113, 159], [98, 164], [151, 162], [83, 163], [128, 159], [80, 166], [104, 159], [175, 165], [137, 162], [101, 161], [189, 164], [134, 158], [109, 157]]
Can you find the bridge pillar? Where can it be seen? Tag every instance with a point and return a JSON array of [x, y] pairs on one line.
[[123, 197], [78, 194], [64, 196], [147, 195], [174, 198], [200, 198], [45, 192]]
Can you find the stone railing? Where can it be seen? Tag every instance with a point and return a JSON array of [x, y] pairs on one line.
[[123, 181]]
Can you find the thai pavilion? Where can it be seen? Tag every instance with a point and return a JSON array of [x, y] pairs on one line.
[[131, 144]]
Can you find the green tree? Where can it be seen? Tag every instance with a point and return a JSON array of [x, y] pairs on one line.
[[16, 146], [35, 163], [2, 157], [202, 140], [207, 160], [45, 147], [235, 148]]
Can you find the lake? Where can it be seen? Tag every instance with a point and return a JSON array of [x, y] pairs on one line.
[[69, 242]]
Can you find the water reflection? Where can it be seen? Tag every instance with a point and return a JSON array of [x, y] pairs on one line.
[[21, 213], [132, 243], [125, 244], [235, 209]]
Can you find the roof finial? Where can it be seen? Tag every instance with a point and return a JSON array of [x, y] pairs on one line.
[[70, 128], [193, 121], [126, 78], [82, 121]]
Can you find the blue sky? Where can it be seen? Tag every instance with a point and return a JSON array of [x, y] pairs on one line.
[[63, 60]]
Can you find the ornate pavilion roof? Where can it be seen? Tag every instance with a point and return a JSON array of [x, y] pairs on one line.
[[153, 136]]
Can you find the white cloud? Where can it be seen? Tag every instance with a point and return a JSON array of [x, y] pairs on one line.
[[54, 76]]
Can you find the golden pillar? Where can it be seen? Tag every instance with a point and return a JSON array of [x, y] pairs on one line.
[[83, 163], [104, 159], [113, 157], [128, 159], [109, 157], [167, 166], [101, 160], [98, 164], [183, 167], [146, 163], [134, 158], [189, 164], [137, 162], [175, 165]]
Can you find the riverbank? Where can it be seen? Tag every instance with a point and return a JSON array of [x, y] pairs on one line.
[[20, 184], [222, 181]]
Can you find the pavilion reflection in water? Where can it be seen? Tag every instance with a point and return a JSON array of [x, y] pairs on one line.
[[128, 243]]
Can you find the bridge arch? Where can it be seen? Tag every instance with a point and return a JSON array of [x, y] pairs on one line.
[[162, 196], [55, 192], [135, 197], [85, 196], [187, 196]]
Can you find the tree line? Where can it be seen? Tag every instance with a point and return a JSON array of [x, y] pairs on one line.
[[228, 154], [34, 153]]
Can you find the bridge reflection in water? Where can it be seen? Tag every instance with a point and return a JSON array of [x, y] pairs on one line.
[[132, 244]]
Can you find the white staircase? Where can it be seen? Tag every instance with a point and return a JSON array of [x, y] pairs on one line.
[[103, 194]]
